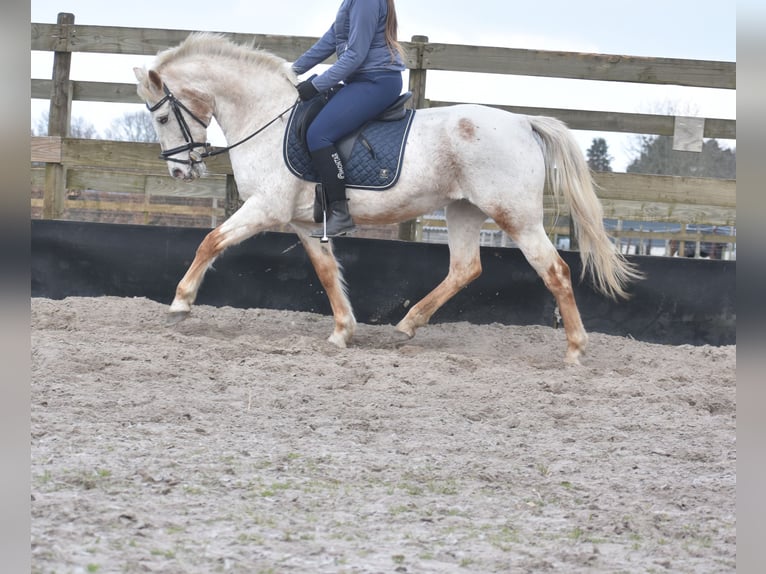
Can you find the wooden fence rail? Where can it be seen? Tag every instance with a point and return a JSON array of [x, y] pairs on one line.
[[66, 169]]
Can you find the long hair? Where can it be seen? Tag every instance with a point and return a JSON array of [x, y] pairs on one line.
[[392, 32]]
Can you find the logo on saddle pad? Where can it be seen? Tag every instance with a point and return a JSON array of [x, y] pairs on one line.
[[372, 155]]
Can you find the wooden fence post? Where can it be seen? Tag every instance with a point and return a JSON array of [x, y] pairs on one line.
[[59, 117], [408, 230], [232, 196], [418, 73]]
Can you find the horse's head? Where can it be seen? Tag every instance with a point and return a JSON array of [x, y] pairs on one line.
[[180, 122]]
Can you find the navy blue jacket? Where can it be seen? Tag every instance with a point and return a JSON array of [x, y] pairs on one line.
[[358, 39]]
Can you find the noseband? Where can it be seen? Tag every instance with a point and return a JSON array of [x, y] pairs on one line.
[[196, 157]]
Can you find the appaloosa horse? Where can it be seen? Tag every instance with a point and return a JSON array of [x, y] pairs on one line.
[[476, 161]]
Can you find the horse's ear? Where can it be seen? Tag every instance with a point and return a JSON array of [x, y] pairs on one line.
[[150, 79], [140, 74], [155, 80], [149, 82]]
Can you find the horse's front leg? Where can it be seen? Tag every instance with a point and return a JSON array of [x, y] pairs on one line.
[[330, 274], [186, 291], [246, 222]]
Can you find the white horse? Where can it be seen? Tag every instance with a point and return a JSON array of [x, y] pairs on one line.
[[475, 161]]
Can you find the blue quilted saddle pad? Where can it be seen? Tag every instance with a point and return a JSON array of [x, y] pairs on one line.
[[372, 155]]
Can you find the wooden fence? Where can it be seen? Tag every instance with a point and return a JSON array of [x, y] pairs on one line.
[[126, 182]]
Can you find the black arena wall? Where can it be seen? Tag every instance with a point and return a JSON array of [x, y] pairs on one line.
[[682, 301]]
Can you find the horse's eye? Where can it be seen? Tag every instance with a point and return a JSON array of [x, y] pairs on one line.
[[162, 120]]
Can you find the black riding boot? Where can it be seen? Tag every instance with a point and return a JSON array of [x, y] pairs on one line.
[[329, 167]]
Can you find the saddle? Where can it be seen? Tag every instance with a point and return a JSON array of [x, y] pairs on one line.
[[371, 155]]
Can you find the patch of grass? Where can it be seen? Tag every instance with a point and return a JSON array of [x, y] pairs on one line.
[[400, 509], [455, 512], [92, 568], [45, 477], [595, 540], [426, 556], [444, 488], [249, 538], [275, 487], [504, 538], [263, 519], [412, 489], [538, 502]]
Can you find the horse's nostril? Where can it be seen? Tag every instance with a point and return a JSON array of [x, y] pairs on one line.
[[178, 173]]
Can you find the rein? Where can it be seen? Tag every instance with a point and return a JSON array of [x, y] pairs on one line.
[[195, 157]]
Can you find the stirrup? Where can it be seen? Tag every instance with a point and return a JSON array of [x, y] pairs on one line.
[[322, 233], [324, 237]]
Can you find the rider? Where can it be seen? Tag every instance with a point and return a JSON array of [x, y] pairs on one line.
[[370, 64]]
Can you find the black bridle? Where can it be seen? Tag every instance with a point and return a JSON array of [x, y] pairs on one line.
[[194, 157]]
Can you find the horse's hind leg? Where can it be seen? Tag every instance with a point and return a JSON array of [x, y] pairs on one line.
[[464, 221], [554, 271], [329, 272]]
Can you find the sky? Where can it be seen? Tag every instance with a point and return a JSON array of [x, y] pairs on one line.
[[687, 29]]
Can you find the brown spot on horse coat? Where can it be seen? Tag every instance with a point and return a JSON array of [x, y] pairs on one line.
[[467, 129]]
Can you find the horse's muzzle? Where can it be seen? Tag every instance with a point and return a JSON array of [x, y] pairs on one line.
[[187, 173]]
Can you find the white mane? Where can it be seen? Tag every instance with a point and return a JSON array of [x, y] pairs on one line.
[[218, 45]]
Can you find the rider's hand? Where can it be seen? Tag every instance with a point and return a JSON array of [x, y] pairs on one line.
[[306, 90]]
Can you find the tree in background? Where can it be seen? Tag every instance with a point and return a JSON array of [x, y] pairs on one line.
[[655, 155], [134, 127], [598, 155], [78, 128]]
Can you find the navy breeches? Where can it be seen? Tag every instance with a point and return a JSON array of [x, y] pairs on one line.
[[361, 99]]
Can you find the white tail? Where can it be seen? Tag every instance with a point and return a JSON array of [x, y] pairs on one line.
[[568, 174]]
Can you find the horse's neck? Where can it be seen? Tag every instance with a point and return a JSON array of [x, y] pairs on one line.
[[252, 105]]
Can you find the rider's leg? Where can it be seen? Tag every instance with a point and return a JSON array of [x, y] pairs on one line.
[[329, 167], [363, 98]]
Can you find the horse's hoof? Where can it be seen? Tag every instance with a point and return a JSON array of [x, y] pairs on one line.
[[398, 338], [338, 340], [402, 336], [572, 359], [404, 333], [175, 317]]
